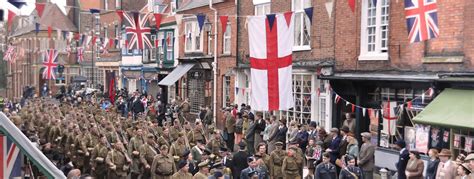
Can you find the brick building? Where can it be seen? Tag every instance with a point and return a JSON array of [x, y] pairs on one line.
[[313, 49], [376, 66]]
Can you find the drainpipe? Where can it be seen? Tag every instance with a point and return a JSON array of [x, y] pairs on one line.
[[214, 106]]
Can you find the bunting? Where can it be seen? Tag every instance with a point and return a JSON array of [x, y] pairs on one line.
[[158, 17], [309, 12], [224, 20], [40, 8], [200, 19]]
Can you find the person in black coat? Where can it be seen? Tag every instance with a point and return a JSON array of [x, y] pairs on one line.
[[325, 170], [402, 159], [239, 160], [334, 146], [280, 135], [432, 164], [137, 106]]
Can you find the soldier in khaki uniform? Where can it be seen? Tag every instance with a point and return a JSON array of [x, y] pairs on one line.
[[183, 171], [98, 156], [175, 130], [163, 164], [196, 134], [134, 151], [118, 161], [262, 153], [165, 138], [291, 165], [203, 170], [148, 151], [178, 147], [276, 161], [216, 143]]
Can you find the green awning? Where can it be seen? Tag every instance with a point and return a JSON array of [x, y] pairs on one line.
[[452, 108]]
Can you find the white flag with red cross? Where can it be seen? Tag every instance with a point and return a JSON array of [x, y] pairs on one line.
[[271, 43]]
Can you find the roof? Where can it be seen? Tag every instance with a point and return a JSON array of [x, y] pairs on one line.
[[382, 76], [27, 148], [191, 4], [60, 21], [452, 108]]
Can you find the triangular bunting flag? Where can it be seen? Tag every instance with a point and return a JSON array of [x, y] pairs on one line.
[[111, 43], [288, 16], [120, 14], [409, 105], [352, 4], [200, 19], [156, 43], [337, 98], [94, 39], [11, 15], [224, 20], [374, 3], [40, 8], [271, 20], [58, 34], [157, 20], [347, 103], [94, 11], [243, 91], [309, 13], [364, 110], [237, 90], [329, 7], [353, 108], [168, 40]]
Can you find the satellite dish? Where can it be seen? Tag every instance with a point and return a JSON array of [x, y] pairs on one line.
[[17, 3]]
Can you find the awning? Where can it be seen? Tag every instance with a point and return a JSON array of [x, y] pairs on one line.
[[452, 108], [176, 74]]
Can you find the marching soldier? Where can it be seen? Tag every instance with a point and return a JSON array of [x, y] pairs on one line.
[[98, 156], [118, 161], [163, 164], [276, 161], [216, 143], [203, 170], [148, 151], [196, 134], [183, 172], [164, 139], [178, 147], [134, 151], [291, 165], [175, 130], [198, 150]]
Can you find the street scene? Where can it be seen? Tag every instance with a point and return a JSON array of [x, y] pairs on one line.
[[237, 89]]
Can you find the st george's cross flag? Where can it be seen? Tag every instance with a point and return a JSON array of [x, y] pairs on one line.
[[50, 63], [422, 19], [10, 159], [138, 30], [271, 46]]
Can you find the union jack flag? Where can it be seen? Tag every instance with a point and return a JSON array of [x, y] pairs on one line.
[[80, 54], [50, 63], [10, 159], [9, 54], [422, 19], [138, 32]]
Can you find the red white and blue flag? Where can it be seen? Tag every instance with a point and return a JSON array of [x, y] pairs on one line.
[[9, 54], [271, 47], [10, 159], [50, 63], [138, 31], [422, 19], [80, 54]]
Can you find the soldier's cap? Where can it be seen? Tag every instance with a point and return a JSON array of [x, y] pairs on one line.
[[223, 149], [163, 147], [203, 164], [279, 143], [242, 144], [345, 129], [182, 163], [217, 165], [186, 154], [466, 166], [218, 174], [366, 135], [150, 136], [200, 141], [207, 151], [469, 157]]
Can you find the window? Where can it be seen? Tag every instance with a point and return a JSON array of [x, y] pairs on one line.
[[169, 46], [118, 4], [324, 104], [193, 42], [173, 7], [262, 9], [153, 50], [302, 88], [302, 25], [227, 39], [374, 32], [226, 91], [161, 54]]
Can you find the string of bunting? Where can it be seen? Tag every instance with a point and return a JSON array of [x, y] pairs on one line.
[[408, 104]]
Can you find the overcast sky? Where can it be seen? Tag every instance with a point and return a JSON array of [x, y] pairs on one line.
[[28, 8]]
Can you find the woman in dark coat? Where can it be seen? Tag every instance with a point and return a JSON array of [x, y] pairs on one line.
[[432, 164], [415, 166]]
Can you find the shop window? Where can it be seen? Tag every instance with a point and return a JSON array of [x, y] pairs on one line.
[[226, 91], [302, 88], [302, 25], [374, 30]]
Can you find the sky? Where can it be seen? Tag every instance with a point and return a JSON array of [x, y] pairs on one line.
[[28, 8]]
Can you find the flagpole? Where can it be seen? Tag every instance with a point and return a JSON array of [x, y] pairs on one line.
[[214, 69]]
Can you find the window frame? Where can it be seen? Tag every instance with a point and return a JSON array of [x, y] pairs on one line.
[[263, 7], [194, 34], [227, 40], [226, 84], [377, 54], [301, 13]]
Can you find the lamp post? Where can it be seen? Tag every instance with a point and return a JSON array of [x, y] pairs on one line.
[[214, 65]]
